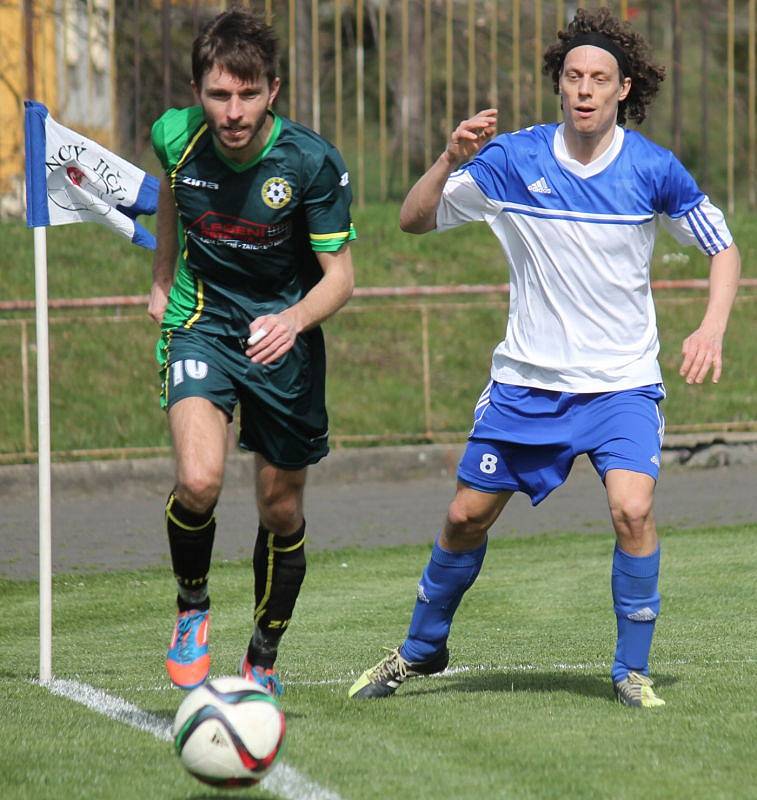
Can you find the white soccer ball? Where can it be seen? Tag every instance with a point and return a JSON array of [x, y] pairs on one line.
[[229, 732]]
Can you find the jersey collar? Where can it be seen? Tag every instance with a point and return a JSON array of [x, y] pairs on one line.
[[272, 137], [593, 167]]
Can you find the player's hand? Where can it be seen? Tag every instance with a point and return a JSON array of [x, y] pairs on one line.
[[471, 135], [702, 351], [157, 303], [271, 336]]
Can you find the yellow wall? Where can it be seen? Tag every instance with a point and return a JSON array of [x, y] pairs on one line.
[[13, 89], [11, 94]]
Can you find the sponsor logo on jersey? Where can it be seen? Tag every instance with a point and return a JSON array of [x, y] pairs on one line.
[[242, 234], [540, 187], [199, 183], [276, 192]]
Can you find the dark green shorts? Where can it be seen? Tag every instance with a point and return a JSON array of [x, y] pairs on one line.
[[282, 405]]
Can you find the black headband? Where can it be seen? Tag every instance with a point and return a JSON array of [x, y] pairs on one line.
[[596, 39]]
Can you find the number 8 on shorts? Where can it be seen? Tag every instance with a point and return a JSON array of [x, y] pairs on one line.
[[488, 463]]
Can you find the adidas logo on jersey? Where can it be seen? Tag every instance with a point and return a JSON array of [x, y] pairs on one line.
[[540, 187]]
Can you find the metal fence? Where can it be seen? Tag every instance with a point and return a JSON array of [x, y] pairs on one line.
[[387, 80], [425, 365]]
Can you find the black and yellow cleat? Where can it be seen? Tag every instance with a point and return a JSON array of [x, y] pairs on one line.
[[636, 690], [386, 677]]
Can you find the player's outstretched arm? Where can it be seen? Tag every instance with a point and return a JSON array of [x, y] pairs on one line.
[[418, 212], [703, 349], [166, 252], [274, 334]]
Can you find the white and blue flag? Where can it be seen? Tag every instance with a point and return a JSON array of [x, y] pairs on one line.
[[70, 178]]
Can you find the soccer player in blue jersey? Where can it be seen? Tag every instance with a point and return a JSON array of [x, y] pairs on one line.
[[575, 207], [253, 254]]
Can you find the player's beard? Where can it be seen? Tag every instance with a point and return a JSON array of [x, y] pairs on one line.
[[247, 133]]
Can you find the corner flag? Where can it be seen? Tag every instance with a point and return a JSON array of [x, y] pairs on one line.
[[70, 178]]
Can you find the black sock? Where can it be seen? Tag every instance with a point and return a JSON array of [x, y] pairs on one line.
[[190, 537], [279, 566]]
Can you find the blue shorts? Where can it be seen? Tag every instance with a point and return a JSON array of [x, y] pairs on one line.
[[525, 439]]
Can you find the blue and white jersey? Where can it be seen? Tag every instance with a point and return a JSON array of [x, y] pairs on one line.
[[579, 241]]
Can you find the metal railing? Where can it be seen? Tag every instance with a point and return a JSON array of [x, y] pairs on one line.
[[423, 301]]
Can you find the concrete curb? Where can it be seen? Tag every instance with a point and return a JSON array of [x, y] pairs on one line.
[[340, 467], [344, 466]]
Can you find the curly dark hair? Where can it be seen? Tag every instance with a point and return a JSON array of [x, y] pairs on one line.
[[645, 76]]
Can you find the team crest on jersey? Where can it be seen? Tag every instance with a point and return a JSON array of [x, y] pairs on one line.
[[276, 192]]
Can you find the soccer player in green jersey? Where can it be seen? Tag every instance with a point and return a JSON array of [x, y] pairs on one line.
[[253, 254]]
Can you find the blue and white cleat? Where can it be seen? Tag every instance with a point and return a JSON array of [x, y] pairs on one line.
[[188, 660], [266, 677]]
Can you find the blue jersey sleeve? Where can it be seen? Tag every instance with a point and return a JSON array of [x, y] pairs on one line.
[[474, 192], [678, 192], [687, 212], [490, 167]]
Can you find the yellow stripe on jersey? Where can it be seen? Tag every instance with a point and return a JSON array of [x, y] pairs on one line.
[[319, 236], [200, 305], [185, 154], [165, 358], [332, 241]]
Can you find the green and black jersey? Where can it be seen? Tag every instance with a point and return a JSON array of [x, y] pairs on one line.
[[249, 233]]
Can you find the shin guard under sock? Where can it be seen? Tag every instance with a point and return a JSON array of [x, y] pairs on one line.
[[279, 566], [190, 538], [637, 604], [446, 578]]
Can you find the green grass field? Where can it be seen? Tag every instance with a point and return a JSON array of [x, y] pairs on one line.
[[375, 381], [525, 712], [375, 370], [89, 261]]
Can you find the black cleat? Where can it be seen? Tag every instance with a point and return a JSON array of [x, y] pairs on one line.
[[385, 678]]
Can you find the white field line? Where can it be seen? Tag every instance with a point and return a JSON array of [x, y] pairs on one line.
[[113, 707], [284, 781], [559, 667], [480, 668]]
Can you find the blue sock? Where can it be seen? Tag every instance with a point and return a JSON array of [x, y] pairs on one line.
[[444, 582], [637, 604]]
